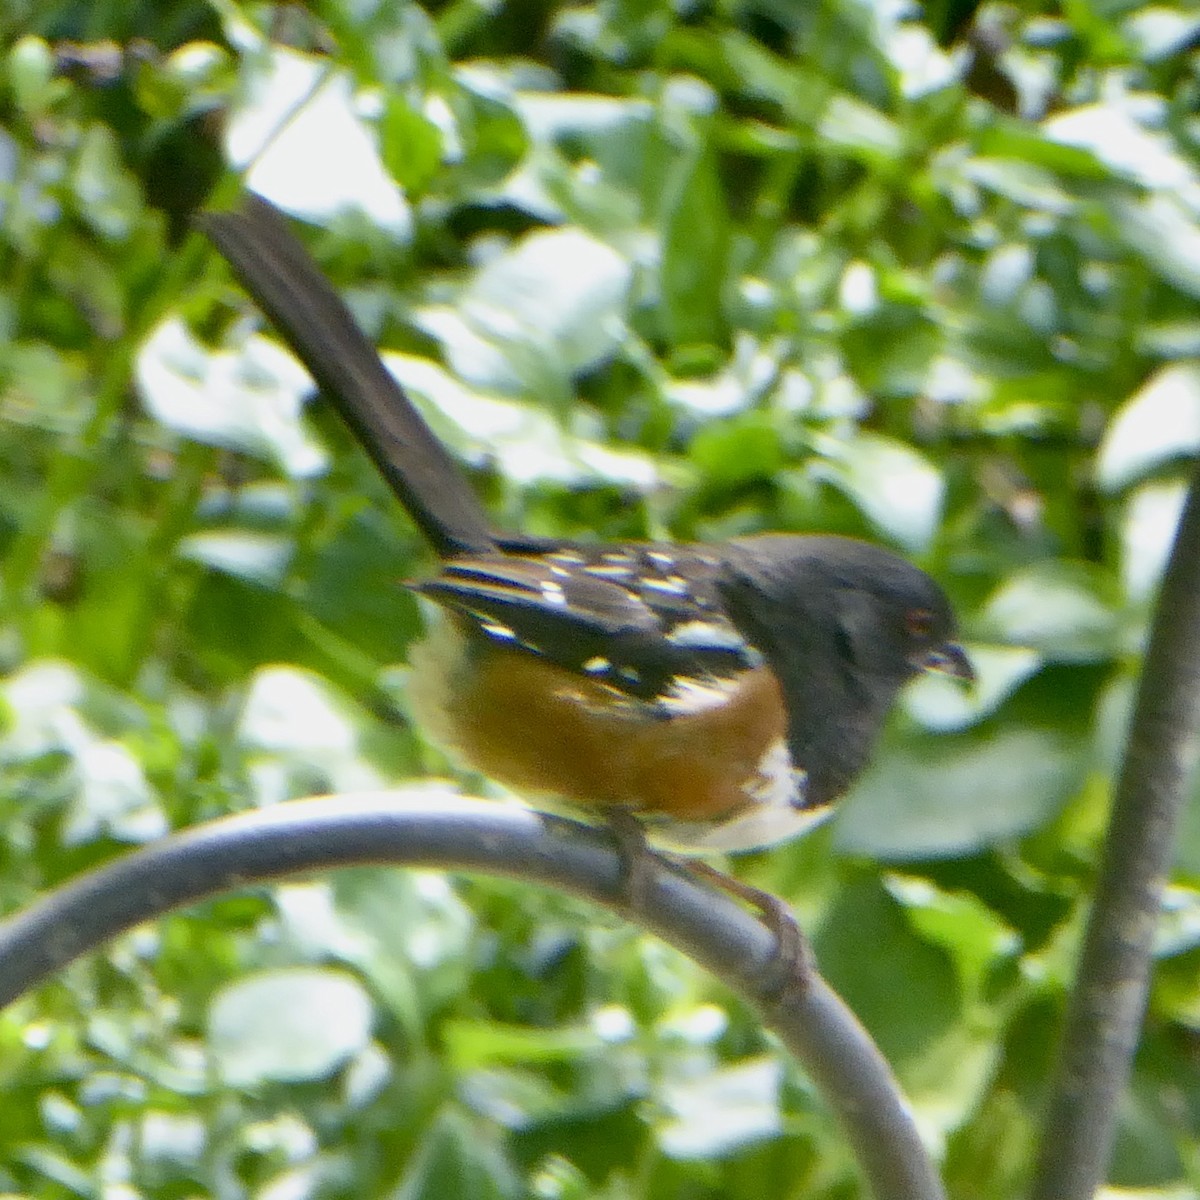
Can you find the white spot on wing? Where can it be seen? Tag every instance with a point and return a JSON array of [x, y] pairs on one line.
[[597, 664], [609, 571], [673, 585], [552, 593], [687, 696], [500, 633], [699, 635]]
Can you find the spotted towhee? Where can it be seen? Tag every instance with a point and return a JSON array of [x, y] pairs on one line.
[[724, 694]]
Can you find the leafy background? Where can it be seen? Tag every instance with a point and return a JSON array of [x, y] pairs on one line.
[[924, 275]]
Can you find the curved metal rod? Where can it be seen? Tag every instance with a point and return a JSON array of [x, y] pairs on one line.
[[1107, 1004], [430, 830]]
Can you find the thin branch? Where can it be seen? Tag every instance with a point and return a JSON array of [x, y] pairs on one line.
[[1105, 1011], [450, 832]]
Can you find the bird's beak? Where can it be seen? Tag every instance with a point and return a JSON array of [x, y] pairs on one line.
[[949, 659]]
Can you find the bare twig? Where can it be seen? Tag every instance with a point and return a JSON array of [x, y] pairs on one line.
[[392, 827], [1105, 1011]]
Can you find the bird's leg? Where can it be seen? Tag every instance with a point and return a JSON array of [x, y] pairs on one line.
[[793, 954], [635, 855]]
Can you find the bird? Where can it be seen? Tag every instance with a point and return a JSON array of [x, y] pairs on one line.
[[718, 696]]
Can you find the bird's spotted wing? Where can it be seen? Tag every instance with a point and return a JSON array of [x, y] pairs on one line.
[[636, 618]]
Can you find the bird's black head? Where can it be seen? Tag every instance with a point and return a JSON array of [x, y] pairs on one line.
[[844, 625], [892, 620], [873, 610]]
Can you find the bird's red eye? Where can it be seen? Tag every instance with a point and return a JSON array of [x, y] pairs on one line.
[[918, 622]]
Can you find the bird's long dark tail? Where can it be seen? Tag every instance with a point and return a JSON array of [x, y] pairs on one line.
[[290, 288]]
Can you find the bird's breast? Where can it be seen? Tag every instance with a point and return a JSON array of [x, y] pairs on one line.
[[714, 754]]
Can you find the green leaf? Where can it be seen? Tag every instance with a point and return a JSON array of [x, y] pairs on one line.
[[107, 196], [1129, 148], [1178, 931], [861, 130], [1061, 609], [1148, 524], [42, 702], [551, 306], [287, 1026], [411, 146], [297, 111], [1158, 32], [114, 796], [457, 1158], [1167, 235], [721, 1112], [255, 557], [1027, 143], [1158, 423], [298, 713], [897, 489], [929, 797], [745, 378], [526, 443], [248, 400], [412, 934], [1027, 184], [921, 65], [738, 449], [975, 937], [694, 266], [53, 709], [477, 1043], [908, 998], [29, 72]]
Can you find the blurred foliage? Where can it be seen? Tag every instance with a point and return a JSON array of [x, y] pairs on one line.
[[928, 276]]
